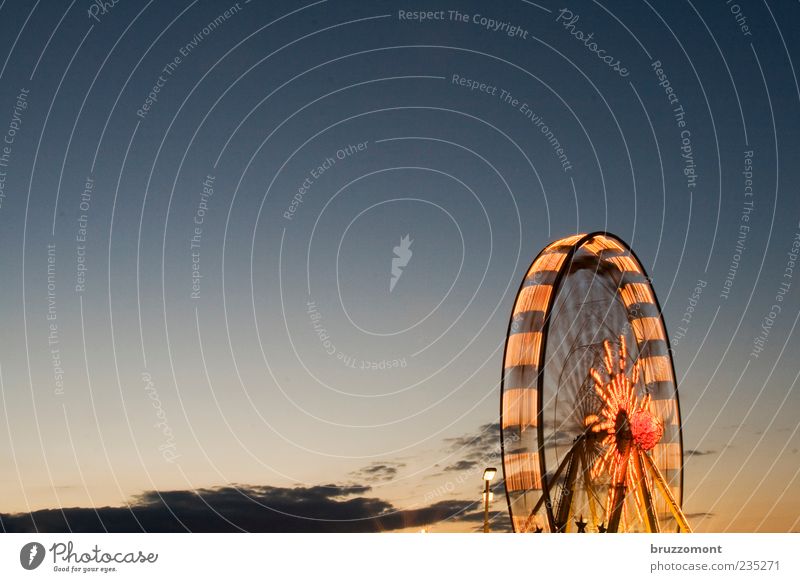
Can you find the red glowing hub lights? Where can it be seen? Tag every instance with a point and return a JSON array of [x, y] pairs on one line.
[[624, 416], [646, 429]]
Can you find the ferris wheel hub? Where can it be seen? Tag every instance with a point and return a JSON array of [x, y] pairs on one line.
[[646, 429], [622, 431]]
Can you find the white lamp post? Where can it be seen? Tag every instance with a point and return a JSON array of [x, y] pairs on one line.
[[488, 475]]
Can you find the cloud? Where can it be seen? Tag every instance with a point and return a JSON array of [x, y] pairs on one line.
[[462, 465], [699, 453], [448, 509], [482, 445], [379, 471], [498, 520], [700, 514], [252, 508], [474, 451], [559, 438]]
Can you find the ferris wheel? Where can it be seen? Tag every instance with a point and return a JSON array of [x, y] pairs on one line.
[[590, 417]]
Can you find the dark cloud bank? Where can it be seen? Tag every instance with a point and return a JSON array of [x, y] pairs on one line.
[[322, 508]]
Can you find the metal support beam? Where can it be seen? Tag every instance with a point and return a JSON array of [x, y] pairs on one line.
[[617, 492], [659, 480], [585, 473], [568, 489], [546, 493], [643, 492]]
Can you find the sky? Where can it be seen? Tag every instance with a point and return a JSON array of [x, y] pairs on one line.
[[259, 257]]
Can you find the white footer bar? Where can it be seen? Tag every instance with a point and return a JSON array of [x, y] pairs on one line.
[[356, 557]]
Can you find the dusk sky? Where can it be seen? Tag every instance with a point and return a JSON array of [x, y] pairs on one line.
[[200, 203]]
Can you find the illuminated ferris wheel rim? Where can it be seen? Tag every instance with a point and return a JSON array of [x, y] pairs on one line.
[[540, 289]]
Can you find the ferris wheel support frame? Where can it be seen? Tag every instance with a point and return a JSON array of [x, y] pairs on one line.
[[644, 494], [545, 496], [573, 459], [568, 491], [673, 505]]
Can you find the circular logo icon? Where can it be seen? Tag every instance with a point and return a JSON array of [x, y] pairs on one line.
[[31, 555]]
